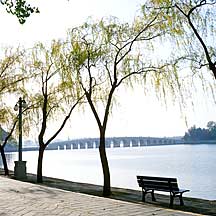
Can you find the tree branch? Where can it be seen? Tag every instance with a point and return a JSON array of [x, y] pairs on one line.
[[64, 121], [210, 63]]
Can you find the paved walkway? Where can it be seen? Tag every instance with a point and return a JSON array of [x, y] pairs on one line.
[[25, 199]]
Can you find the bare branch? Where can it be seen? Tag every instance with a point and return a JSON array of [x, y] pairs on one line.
[[198, 36], [142, 71], [130, 43], [64, 121], [109, 73]]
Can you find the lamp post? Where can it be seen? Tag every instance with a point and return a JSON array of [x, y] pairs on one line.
[[20, 166]]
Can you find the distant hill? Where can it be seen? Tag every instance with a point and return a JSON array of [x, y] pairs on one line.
[[12, 143], [3, 134]]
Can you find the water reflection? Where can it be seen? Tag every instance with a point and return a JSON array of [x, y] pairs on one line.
[[11, 157]]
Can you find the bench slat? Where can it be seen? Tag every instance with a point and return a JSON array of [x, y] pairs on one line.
[[164, 185], [154, 187], [157, 178], [159, 183]]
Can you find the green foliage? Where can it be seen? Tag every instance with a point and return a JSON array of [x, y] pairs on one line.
[[189, 36], [20, 8], [6, 115], [12, 77], [106, 53], [190, 30], [11, 71]]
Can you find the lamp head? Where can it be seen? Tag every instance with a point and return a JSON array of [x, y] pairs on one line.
[[16, 107]]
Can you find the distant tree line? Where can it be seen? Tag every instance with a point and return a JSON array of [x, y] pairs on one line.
[[196, 134]]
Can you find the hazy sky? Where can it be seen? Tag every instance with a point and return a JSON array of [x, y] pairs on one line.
[[137, 114], [58, 15]]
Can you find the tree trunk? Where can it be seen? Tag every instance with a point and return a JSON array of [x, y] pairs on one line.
[[212, 67], [40, 165], [105, 166], [4, 161]]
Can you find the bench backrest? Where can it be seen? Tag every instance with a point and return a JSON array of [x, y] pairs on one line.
[[158, 183]]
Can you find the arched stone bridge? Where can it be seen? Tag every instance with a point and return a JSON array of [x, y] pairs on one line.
[[114, 142]]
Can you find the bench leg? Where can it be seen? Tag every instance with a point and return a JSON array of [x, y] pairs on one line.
[[153, 196], [143, 195], [144, 192], [181, 200], [171, 200]]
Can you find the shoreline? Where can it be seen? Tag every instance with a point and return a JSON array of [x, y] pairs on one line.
[[194, 205]]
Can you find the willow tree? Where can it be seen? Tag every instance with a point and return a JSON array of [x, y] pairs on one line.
[[192, 24], [109, 54], [51, 95], [11, 84], [11, 70]]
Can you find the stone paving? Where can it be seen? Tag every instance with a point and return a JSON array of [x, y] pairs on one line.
[[26, 199]]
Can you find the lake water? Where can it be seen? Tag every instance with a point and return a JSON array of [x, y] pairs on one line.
[[193, 165]]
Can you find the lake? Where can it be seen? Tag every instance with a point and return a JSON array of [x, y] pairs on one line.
[[193, 165]]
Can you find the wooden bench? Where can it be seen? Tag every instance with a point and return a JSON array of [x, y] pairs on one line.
[[149, 184]]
